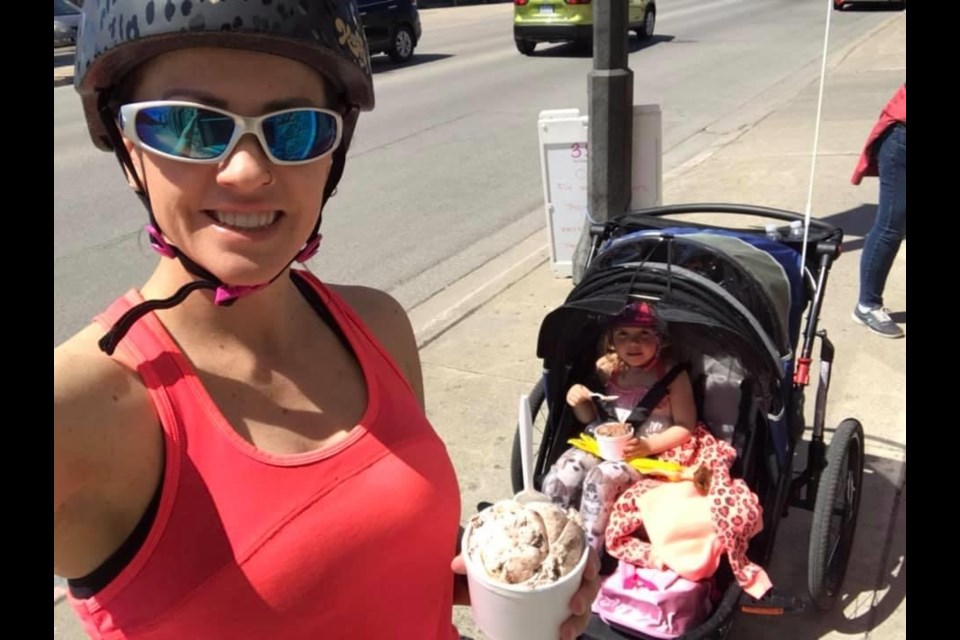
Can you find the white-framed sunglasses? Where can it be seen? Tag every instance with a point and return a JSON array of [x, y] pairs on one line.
[[191, 132]]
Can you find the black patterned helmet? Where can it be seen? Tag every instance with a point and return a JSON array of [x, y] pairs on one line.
[[116, 36]]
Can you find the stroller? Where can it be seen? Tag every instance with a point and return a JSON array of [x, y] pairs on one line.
[[735, 300]]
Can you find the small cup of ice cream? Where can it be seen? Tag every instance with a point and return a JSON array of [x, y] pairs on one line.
[[524, 563], [612, 437]]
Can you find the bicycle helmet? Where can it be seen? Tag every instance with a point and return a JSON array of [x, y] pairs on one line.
[[643, 315], [117, 36], [640, 314]]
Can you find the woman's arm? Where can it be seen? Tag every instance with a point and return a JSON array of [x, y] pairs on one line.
[[107, 454]]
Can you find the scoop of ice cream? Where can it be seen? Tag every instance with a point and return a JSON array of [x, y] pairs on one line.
[[532, 544], [614, 430]]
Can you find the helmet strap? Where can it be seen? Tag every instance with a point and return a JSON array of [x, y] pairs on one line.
[[350, 115]]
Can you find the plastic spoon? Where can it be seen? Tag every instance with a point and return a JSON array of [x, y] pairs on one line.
[[525, 421], [603, 398]]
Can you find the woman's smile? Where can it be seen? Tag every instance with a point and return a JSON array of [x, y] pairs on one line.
[[246, 220], [247, 223]]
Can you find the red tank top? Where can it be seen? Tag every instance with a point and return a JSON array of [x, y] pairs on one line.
[[348, 541]]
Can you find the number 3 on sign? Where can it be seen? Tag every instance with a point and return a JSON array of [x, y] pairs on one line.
[[578, 150]]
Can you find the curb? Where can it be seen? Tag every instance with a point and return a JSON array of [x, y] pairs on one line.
[[460, 299]]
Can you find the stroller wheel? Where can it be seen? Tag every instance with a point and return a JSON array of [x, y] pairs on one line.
[[835, 514], [539, 414]]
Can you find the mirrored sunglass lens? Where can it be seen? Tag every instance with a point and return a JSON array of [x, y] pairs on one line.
[[187, 132], [300, 135]]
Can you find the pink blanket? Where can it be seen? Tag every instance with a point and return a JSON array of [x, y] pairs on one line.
[[688, 532]]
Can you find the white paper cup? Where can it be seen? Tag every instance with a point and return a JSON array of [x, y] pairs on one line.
[[514, 612], [611, 448]]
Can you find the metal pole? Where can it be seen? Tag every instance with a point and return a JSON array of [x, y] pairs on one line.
[[610, 134]]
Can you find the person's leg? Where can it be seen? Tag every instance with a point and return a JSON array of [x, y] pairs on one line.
[[885, 237], [601, 488], [564, 480]]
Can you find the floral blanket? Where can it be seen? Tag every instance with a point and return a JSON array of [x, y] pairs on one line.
[[670, 525]]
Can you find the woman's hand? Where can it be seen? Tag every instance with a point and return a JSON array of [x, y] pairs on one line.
[[580, 603], [582, 600], [637, 448], [461, 592]]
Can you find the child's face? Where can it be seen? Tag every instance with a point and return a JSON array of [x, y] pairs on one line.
[[636, 346]]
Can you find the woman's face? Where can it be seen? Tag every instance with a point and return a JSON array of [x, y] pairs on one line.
[[243, 218], [636, 346]]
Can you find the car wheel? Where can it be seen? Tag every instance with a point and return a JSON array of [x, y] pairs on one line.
[[401, 48], [526, 47], [649, 22]]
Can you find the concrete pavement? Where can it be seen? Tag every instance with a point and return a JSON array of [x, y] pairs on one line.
[[476, 367], [478, 337]]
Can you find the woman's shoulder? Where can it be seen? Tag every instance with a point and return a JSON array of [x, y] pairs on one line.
[[107, 451], [382, 314], [372, 305], [387, 320], [92, 389], [80, 365], [95, 395]]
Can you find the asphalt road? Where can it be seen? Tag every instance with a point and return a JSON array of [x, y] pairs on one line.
[[444, 174]]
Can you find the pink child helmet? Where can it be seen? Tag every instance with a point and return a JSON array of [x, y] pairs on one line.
[[640, 314]]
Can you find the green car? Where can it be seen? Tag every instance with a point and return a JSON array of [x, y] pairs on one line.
[[570, 21]]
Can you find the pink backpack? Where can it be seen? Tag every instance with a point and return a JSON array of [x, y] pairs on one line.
[[661, 604]]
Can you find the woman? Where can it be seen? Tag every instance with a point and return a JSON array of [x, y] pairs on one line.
[[884, 155], [240, 450]]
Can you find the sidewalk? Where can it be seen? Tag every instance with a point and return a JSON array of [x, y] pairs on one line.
[[476, 370], [478, 363]]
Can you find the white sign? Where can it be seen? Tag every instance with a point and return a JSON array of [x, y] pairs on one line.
[[567, 195], [563, 163]]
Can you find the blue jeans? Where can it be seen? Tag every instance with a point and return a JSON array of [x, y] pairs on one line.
[[890, 226]]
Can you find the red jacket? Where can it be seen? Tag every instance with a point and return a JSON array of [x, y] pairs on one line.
[[895, 111]]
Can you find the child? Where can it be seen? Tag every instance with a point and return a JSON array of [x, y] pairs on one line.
[[635, 360]]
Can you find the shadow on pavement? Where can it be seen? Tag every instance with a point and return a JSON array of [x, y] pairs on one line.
[[857, 222], [854, 222], [383, 63], [869, 596], [585, 50], [876, 6]]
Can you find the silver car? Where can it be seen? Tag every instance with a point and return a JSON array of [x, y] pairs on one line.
[[66, 20]]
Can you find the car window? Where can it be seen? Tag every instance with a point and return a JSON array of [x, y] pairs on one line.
[[64, 8]]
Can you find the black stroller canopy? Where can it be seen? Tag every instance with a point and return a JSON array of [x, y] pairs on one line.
[[738, 292]]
